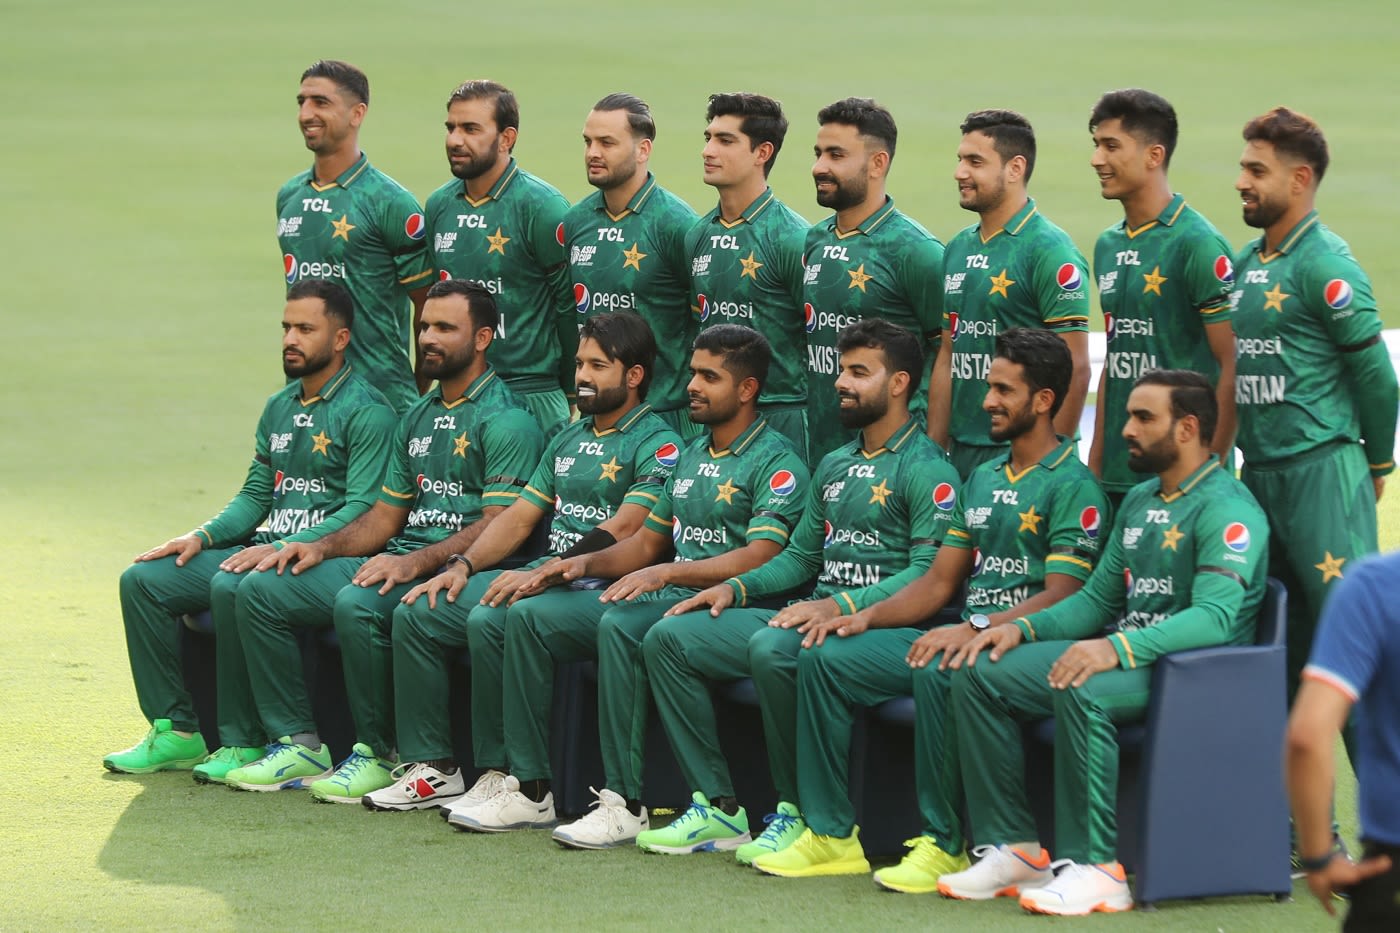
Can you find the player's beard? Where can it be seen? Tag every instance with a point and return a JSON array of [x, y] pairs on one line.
[[712, 412], [449, 365], [864, 412], [847, 192], [984, 199], [306, 365], [615, 177], [1017, 424], [603, 401], [475, 166], [1154, 458], [1265, 212]]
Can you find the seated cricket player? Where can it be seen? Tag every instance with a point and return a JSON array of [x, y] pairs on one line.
[[1185, 568], [1024, 536], [460, 456], [598, 479], [318, 458], [721, 491], [871, 525]]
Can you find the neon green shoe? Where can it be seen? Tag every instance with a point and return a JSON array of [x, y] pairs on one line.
[[215, 768], [702, 828], [284, 767], [812, 855], [920, 870], [781, 830], [161, 750], [362, 773]]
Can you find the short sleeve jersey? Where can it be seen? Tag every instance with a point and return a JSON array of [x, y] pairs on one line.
[[1295, 311], [586, 475], [1160, 285], [512, 242], [454, 458], [719, 500], [365, 231], [887, 267], [1022, 526], [749, 272], [1028, 274], [636, 261]]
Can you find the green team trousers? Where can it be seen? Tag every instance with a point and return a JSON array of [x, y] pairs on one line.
[[991, 700], [865, 670], [684, 653], [154, 594], [278, 605], [968, 457], [514, 653]]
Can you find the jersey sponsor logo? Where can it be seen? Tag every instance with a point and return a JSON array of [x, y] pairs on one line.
[[701, 537], [559, 234], [703, 304], [1225, 270], [853, 536], [589, 514], [283, 484], [1258, 346], [1236, 537], [675, 529], [289, 267], [1069, 277], [1089, 521], [976, 561], [294, 270], [782, 483], [583, 301], [415, 226], [973, 328], [667, 454], [1108, 324], [1256, 277], [1337, 294], [826, 541], [441, 487], [809, 317], [953, 324], [1130, 327], [1148, 586], [820, 320], [945, 497], [1005, 566]]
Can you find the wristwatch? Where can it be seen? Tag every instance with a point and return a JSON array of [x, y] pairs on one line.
[[979, 621]]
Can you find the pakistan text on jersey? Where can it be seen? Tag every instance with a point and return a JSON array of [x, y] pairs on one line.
[[1139, 619], [1260, 390], [291, 521], [1129, 365], [971, 366], [848, 573], [435, 518], [561, 540], [1002, 598]]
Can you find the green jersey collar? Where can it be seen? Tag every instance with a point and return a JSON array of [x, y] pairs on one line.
[[868, 225], [1291, 238], [346, 178], [750, 213], [634, 206], [1191, 482], [478, 385], [623, 424], [1018, 221], [332, 384], [743, 441], [497, 189], [1066, 449], [896, 441], [1169, 216]]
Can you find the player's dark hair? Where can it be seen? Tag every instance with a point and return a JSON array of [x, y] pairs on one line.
[[346, 76], [340, 307], [900, 347], [763, 120], [626, 337], [1148, 117], [1043, 357], [872, 120], [745, 351], [638, 117], [481, 304], [1011, 134], [1192, 394], [1293, 134], [507, 108]]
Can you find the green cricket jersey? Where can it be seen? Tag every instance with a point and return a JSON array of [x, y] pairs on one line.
[[512, 242], [750, 272], [887, 267], [1184, 569], [873, 522], [316, 464], [637, 262], [1311, 367], [1027, 274], [453, 458], [587, 475], [720, 500], [1159, 286], [1022, 526], [365, 231]]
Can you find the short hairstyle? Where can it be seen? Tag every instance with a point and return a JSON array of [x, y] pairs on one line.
[[900, 347], [507, 109], [763, 120], [638, 116], [346, 76], [1043, 357], [1293, 134], [624, 336], [481, 304], [1011, 134], [868, 117], [1191, 393], [745, 351], [340, 307], [1148, 117]]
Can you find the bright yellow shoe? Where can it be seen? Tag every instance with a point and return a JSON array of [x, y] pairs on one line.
[[920, 870], [812, 855]]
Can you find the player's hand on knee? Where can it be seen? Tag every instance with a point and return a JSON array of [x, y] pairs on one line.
[[183, 547], [298, 555], [802, 616], [716, 598], [996, 641], [646, 580], [504, 587], [449, 583], [945, 639], [247, 559], [1082, 660], [388, 570]]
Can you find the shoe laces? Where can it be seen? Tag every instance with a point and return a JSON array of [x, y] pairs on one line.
[[695, 812], [922, 848], [407, 771], [600, 812], [775, 824], [351, 765], [490, 784]]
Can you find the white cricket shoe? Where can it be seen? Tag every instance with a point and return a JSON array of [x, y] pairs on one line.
[[506, 811], [1080, 889], [490, 784], [417, 786], [1000, 871], [609, 824]]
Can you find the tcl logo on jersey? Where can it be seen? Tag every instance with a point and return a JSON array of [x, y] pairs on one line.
[[283, 484], [945, 496], [440, 487], [415, 226]]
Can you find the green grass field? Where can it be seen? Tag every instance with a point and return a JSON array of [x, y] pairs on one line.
[[141, 298]]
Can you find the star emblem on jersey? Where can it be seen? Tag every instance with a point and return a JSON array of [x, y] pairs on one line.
[[323, 446], [858, 277], [878, 494], [751, 267], [1153, 281], [1030, 521], [610, 470], [725, 491], [1331, 567], [343, 226], [1000, 283], [460, 445], [1274, 299], [633, 257], [1172, 537], [498, 242]]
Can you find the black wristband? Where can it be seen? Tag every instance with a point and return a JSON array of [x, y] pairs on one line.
[[595, 540], [1311, 865], [464, 561]]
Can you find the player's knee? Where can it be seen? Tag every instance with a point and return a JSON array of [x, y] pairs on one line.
[[224, 585], [772, 650], [134, 580]]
